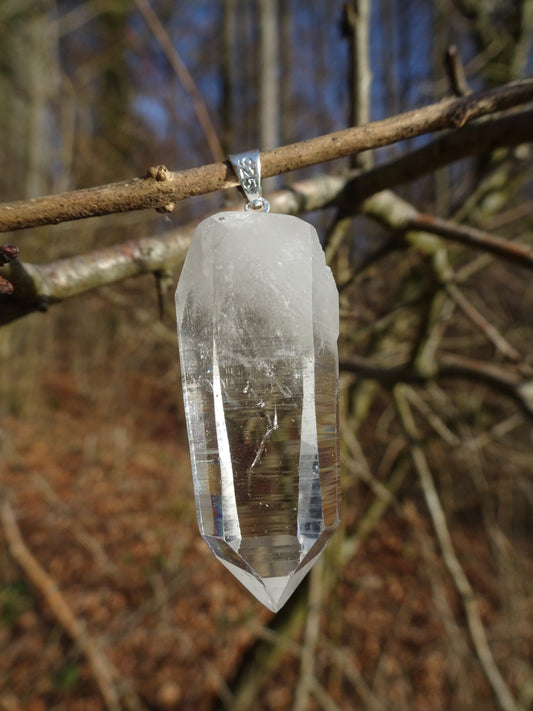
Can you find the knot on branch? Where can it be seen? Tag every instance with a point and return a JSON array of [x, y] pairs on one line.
[[169, 207], [159, 173], [7, 254]]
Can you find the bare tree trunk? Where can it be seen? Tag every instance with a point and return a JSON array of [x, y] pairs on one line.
[[37, 90], [286, 119], [522, 47], [229, 38], [357, 31], [269, 103], [441, 184]]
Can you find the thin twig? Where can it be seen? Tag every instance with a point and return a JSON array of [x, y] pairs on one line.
[[432, 418], [263, 658], [459, 651], [449, 365], [335, 237], [456, 72], [100, 666], [89, 542], [477, 318], [312, 632], [162, 187], [373, 516], [499, 430], [358, 463], [503, 219], [323, 698], [438, 518], [472, 237], [185, 77], [355, 678]]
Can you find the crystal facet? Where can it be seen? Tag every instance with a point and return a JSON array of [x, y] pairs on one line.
[[257, 312]]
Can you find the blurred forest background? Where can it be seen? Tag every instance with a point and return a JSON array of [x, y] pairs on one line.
[[423, 600]]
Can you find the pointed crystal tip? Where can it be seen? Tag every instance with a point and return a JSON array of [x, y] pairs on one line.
[[272, 591], [258, 318]]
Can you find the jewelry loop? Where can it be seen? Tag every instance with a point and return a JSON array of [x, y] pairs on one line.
[[247, 167], [257, 204]]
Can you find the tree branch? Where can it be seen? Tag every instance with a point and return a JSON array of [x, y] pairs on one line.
[[456, 72], [472, 237], [103, 672], [449, 366], [398, 214], [178, 65], [356, 29], [503, 132], [455, 569], [161, 187], [483, 323], [307, 677], [39, 286]]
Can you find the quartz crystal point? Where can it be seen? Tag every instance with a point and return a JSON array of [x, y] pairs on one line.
[[258, 317]]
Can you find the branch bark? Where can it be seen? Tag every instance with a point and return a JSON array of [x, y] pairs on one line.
[[38, 286], [269, 78], [356, 26], [456, 72], [161, 187], [396, 213], [503, 132]]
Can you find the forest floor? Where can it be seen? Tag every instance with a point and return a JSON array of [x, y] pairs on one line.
[[105, 505]]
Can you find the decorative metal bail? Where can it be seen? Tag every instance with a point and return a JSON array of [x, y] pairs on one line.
[[247, 167]]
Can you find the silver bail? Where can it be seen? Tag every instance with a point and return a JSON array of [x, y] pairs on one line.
[[247, 167]]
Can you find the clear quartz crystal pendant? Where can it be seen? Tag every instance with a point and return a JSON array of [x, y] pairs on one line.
[[257, 313]]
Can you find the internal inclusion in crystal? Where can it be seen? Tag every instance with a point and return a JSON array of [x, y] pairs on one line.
[[257, 313]]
